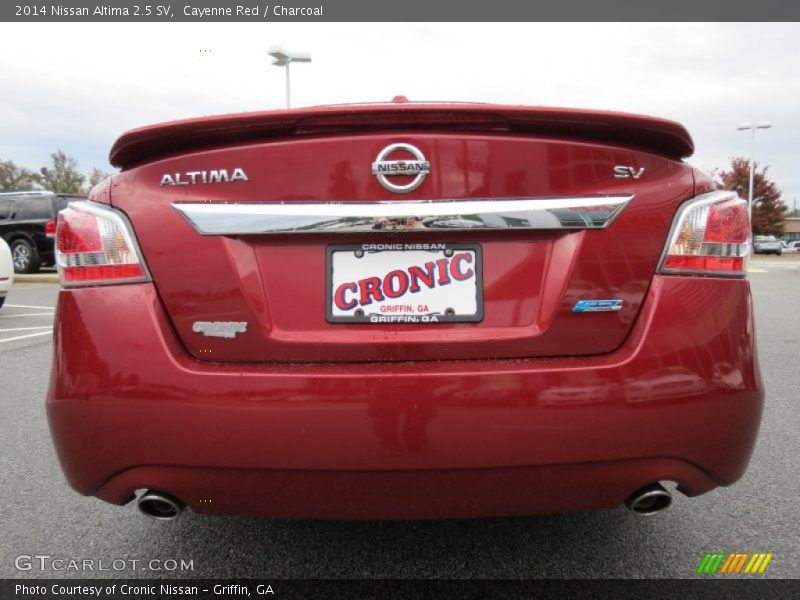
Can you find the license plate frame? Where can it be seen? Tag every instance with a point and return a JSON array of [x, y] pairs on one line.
[[434, 251]]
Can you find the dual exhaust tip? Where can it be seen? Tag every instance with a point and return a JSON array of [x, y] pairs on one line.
[[160, 506], [646, 501]]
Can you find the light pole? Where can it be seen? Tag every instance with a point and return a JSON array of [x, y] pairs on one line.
[[283, 58], [752, 126]]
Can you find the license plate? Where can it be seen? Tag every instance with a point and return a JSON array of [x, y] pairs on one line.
[[404, 283]]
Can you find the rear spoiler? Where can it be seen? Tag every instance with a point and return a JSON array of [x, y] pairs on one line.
[[659, 136]]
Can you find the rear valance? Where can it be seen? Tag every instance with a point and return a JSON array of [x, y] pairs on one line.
[[659, 136]]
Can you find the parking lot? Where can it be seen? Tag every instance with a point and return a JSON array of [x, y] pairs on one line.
[[41, 515]]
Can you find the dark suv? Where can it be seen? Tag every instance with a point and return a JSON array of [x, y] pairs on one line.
[[28, 224]]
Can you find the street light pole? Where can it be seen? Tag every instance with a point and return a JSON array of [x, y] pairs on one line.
[[289, 104], [752, 126], [284, 58]]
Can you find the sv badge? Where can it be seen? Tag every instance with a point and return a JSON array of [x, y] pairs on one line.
[[625, 172]]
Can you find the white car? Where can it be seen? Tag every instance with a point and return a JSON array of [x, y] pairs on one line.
[[792, 248], [767, 244], [6, 270]]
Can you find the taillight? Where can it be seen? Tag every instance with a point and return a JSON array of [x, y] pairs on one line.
[[95, 246], [50, 229], [710, 236]]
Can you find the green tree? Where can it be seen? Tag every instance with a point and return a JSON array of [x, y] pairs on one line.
[[14, 178], [769, 211], [62, 176]]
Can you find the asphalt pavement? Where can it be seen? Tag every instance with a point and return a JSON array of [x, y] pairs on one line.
[[40, 515]]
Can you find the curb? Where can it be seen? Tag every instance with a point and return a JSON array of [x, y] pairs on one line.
[[36, 278]]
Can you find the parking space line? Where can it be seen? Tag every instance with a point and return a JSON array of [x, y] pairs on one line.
[[29, 306], [26, 328], [27, 315], [22, 337]]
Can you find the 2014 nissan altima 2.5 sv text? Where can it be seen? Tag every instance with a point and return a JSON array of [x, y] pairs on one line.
[[404, 310]]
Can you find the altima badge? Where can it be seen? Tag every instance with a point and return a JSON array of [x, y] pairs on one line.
[[383, 168], [196, 177], [221, 329]]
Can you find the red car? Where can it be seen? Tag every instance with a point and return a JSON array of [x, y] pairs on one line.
[[404, 311]]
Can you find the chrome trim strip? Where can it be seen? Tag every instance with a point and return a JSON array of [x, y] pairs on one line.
[[262, 218]]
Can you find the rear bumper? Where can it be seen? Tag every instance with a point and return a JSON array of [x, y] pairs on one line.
[[681, 400]]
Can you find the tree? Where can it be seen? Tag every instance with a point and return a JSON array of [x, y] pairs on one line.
[[62, 177], [95, 177], [769, 211], [14, 178]]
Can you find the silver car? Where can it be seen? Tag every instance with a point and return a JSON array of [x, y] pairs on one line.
[[767, 244]]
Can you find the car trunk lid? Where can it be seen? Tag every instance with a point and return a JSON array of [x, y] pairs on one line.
[[237, 290]]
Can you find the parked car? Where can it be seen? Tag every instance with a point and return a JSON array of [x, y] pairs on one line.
[[404, 311], [28, 224], [767, 244], [6, 271], [792, 247]]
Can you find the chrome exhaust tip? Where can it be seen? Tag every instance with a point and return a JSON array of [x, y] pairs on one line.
[[649, 500], [160, 506]]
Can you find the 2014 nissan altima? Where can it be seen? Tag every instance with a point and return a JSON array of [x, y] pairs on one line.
[[404, 311]]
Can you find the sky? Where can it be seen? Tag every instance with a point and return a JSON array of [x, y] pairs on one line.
[[78, 86]]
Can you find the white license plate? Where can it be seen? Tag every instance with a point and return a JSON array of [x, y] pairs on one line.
[[404, 283]]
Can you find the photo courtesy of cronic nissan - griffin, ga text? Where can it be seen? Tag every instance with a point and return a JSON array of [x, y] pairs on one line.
[[404, 310]]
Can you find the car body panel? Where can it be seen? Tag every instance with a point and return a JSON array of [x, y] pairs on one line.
[[124, 395], [6, 269], [534, 408], [650, 134], [421, 494], [277, 284]]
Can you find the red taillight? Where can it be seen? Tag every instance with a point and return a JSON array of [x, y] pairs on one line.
[[704, 263], [710, 236], [78, 233], [728, 222], [95, 246], [50, 229]]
